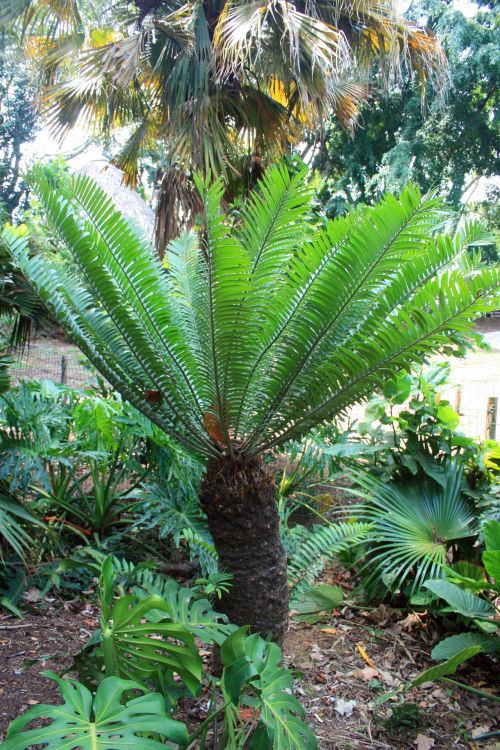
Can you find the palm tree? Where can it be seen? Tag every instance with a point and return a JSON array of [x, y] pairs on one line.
[[257, 332], [224, 85]]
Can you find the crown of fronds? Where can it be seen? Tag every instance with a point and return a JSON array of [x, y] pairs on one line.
[[212, 79], [260, 329]]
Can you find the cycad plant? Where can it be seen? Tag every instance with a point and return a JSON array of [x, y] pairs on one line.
[[255, 332]]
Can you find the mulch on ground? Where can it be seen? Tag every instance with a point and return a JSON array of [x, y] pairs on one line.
[[346, 660]]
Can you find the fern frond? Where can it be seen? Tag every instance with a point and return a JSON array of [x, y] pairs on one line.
[[320, 546]]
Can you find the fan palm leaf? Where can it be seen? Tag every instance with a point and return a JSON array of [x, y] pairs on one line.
[[213, 81], [412, 526]]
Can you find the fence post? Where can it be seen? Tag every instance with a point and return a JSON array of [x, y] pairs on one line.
[[63, 370], [491, 417]]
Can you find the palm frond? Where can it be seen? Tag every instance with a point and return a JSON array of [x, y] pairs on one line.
[[412, 526], [14, 518], [262, 328]]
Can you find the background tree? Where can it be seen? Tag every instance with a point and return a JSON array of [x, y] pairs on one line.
[[17, 123], [223, 87], [450, 146], [260, 331]]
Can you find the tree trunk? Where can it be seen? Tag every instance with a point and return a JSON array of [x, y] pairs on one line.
[[239, 498]]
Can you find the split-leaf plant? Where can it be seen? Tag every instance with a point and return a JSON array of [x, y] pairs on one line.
[[257, 330], [150, 638]]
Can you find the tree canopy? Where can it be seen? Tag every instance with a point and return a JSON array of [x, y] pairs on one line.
[[17, 123], [441, 146]]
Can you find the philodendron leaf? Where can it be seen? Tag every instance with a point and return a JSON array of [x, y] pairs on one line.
[[491, 562], [100, 723], [447, 667], [137, 649], [252, 668], [449, 647], [491, 530], [491, 558], [460, 601], [184, 608]]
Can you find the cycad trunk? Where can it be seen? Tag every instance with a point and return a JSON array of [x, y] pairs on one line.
[[239, 498]]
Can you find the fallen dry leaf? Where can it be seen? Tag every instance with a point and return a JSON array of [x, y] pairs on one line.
[[344, 708], [248, 714], [411, 621], [366, 674], [330, 631], [424, 743], [365, 656], [32, 595]]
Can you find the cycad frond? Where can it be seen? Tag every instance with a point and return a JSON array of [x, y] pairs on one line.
[[320, 546], [262, 328]]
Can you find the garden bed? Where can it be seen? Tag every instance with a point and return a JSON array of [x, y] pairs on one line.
[[348, 656]]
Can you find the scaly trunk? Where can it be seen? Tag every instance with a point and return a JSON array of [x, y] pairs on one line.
[[239, 498]]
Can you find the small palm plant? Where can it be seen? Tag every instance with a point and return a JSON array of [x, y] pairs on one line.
[[413, 526], [255, 333]]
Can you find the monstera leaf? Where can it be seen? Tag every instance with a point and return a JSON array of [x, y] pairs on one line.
[[182, 606], [99, 723], [252, 670], [138, 650]]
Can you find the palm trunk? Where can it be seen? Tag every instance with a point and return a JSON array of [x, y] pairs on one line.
[[239, 499]]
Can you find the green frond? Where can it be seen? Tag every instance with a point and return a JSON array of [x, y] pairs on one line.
[[412, 526], [260, 327], [318, 548]]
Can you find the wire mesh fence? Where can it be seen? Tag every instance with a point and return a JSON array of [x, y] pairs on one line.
[[477, 402], [52, 359]]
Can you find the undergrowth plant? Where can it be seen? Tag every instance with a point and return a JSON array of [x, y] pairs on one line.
[[144, 658], [412, 527]]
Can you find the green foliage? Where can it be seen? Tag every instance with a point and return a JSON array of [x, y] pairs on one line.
[[17, 123], [147, 636], [474, 598], [450, 666], [257, 339], [454, 644], [12, 528], [82, 456], [411, 526], [251, 668], [128, 649], [103, 722], [320, 598], [222, 89], [460, 601], [399, 141], [184, 606], [314, 549], [414, 442]]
